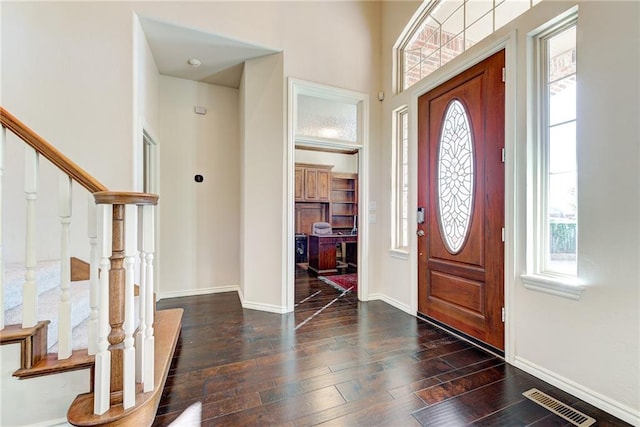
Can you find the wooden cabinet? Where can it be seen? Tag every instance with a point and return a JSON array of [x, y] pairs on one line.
[[344, 201], [299, 184], [312, 183]]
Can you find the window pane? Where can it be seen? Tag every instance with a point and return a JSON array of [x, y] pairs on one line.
[[405, 204], [510, 10], [401, 173], [479, 30], [562, 100], [430, 64], [453, 25], [412, 58], [445, 9], [452, 49], [475, 9], [562, 202], [429, 33], [412, 76], [562, 54], [326, 118], [562, 148]]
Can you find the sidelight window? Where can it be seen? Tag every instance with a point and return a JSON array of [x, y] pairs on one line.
[[557, 139], [400, 232], [552, 262]]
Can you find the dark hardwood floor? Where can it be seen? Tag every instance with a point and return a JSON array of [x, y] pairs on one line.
[[351, 364]]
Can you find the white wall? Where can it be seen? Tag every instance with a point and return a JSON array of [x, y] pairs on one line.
[[36, 400], [86, 64], [594, 341], [392, 268], [70, 79], [341, 162], [263, 186], [146, 102], [588, 347], [199, 226]]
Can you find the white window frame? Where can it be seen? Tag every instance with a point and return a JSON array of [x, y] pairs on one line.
[[538, 276], [400, 186]]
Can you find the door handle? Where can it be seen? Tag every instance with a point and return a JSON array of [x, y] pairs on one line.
[[420, 233]]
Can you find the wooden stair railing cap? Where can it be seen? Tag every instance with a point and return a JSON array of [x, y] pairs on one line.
[[50, 152], [125, 198]]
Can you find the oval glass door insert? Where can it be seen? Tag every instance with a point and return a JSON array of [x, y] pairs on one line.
[[455, 177]]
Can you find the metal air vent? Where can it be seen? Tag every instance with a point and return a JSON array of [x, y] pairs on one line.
[[560, 409]]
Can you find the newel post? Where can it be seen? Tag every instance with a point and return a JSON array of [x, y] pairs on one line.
[[117, 277], [120, 299]]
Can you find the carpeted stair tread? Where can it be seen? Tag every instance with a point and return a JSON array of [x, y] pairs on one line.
[[48, 307], [47, 277]]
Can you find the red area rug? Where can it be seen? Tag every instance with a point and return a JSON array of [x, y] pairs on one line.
[[344, 282]]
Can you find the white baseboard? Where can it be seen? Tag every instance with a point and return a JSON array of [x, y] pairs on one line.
[[596, 399], [250, 305], [199, 291], [219, 289], [263, 307], [60, 422], [393, 302]]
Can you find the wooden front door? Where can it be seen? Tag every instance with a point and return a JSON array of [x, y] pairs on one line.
[[461, 188]]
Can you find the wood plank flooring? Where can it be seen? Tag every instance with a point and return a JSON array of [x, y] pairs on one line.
[[351, 364]]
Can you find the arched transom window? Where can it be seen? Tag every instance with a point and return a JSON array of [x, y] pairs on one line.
[[446, 28]]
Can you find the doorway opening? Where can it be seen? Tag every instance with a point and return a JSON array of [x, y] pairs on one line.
[[328, 181], [326, 225]]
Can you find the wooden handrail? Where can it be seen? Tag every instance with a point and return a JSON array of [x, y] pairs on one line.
[[125, 198], [50, 152]]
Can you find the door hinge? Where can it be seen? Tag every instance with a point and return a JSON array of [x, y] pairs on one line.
[[502, 234], [503, 315], [504, 74], [503, 154]]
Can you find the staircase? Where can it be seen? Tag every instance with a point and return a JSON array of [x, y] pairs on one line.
[[115, 374]]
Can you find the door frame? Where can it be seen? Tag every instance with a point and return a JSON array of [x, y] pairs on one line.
[[295, 87], [145, 135], [512, 226]]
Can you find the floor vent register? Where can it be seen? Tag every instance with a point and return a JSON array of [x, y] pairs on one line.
[[554, 405]]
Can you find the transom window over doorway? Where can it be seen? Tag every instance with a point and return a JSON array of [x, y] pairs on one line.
[[444, 29]]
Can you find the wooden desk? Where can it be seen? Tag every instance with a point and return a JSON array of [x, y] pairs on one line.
[[322, 251]]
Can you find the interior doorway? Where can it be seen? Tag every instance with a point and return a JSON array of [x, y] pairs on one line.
[[149, 164], [326, 213], [327, 126], [461, 190]]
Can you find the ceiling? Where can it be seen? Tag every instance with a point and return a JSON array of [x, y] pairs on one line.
[[222, 59]]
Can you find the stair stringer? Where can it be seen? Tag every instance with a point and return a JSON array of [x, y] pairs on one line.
[[42, 400]]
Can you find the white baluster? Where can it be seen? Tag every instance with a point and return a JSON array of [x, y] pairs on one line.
[[30, 288], [142, 326], [64, 313], [3, 138], [148, 244], [129, 355], [94, 281], [102, 390]]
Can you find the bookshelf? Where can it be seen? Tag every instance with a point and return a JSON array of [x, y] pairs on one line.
[[344, 201]]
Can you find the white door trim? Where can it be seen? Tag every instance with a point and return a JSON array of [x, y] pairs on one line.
[[295, 87]]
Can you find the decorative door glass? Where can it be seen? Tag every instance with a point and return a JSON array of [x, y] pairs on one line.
[[455, 177]]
